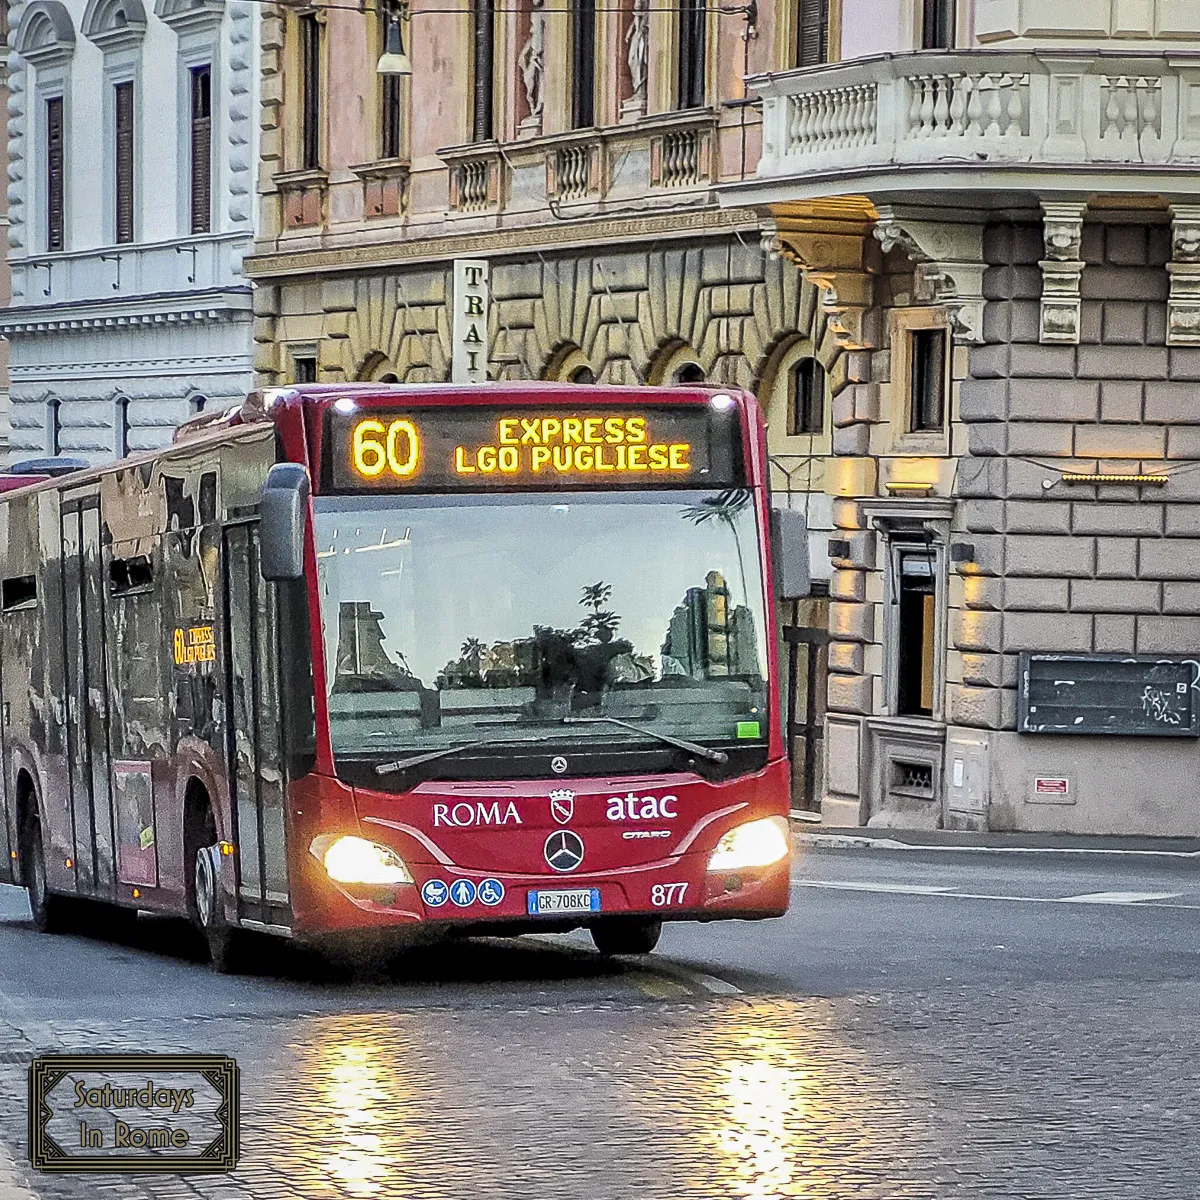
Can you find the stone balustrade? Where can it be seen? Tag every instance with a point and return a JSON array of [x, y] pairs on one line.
[[981, 109]]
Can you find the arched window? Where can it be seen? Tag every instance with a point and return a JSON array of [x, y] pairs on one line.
[[583, 374], [197, 404], [53, 426], [806, 397], [121, 426]]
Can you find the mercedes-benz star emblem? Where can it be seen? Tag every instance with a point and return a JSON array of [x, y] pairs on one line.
[[558, 765], [564, 850]]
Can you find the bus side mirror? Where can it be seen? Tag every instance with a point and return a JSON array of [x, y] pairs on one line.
[[789, 552], [282, 512]]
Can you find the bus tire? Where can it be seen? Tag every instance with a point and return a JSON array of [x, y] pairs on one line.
[[222, 939], [626, 935], [51, 913]]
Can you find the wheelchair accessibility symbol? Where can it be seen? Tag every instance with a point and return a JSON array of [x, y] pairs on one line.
[[491, 892]]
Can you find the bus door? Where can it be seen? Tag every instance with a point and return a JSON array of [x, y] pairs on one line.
[[86, 689], [253, 730]]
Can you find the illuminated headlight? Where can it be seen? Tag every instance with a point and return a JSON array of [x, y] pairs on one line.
[[755, 844], [355, 860]]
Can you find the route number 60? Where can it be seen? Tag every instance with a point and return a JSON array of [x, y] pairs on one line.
[[376, 448], [664, 894]]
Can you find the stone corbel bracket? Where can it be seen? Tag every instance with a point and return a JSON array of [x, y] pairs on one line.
[[1183, 308], [838, 257], [948, 263], [1062, 271]]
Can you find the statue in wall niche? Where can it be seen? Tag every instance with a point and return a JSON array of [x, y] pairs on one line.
[[532, 62], [637, 38]]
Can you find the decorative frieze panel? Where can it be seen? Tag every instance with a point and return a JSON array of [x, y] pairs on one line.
[[1062, 272]]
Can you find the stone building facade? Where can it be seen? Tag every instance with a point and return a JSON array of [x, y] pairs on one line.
[[132, 138], [1000, 217], [584, 178]]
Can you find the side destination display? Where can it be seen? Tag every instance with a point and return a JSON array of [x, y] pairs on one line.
[[485, 448], [1136, 695]]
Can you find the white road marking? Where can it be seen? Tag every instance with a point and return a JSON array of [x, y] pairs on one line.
[[904, 889], [1119, 897], [1129, 899]]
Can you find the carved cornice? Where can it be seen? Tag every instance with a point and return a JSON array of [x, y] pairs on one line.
[[1183, 308], [1062, 271], [270, 264], [948, 263], [838, 257]]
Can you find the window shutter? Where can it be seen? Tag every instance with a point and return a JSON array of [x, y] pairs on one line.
[[812, 33], [692, 53], [310, 45], [583, 66], [55, 223], [483, 19], [201, 150], [124, 157]]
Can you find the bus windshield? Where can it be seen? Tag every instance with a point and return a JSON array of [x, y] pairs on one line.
[[450, 619]]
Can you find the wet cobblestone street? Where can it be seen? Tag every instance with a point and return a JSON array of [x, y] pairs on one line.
[[1018, 1080]]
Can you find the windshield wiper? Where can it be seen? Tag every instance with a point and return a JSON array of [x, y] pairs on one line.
[[717, 756], [416, 759]]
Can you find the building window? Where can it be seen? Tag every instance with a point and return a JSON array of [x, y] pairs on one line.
[[201, 149], [583, 375], [916, 641], [690, 89], [812, 33], [389, 99], [310, 84], [123, 109], [806, 397], [583, 65], [54, 426], [197, 404], [483, 24], [304, 369], [55, 211], [688, 373], [937, 25], [121, 426], [927, 384]]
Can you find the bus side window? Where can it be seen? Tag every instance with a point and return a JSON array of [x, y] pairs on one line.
[[18, 592]]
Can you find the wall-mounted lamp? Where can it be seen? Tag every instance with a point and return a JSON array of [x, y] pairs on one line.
[[1132, 477], [393, 60]]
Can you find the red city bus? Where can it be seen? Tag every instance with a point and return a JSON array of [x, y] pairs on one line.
[[378, 662]]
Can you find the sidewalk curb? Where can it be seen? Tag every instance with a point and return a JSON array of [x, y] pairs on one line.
[[841, 841]]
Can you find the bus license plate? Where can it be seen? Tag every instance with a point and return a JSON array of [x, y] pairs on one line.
[[583, 900]]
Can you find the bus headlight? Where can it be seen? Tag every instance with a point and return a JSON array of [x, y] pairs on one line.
[[355, 860], [755, 844]]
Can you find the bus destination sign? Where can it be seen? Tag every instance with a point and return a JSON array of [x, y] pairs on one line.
[[482, 448]]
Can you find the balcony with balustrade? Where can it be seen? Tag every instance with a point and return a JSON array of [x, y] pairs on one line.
[[985, 127]]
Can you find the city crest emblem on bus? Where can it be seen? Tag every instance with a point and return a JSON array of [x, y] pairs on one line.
[[562, 805]]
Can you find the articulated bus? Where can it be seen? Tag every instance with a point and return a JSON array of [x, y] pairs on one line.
[[379, 663]]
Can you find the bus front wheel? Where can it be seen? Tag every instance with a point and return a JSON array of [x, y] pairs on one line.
[[626, 935], [49, 911]]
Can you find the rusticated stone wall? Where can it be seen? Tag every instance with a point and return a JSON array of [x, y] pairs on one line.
[[1064, 567]]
